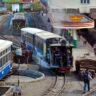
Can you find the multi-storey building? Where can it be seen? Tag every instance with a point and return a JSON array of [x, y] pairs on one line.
[[18, 5], [22, 5]]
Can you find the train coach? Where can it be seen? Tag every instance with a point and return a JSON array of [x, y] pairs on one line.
[[49, 50], [18, 21], [5, 57]]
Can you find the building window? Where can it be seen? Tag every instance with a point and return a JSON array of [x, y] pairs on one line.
[[85, 1], [88, 1]]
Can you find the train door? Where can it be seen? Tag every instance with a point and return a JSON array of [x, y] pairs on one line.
[[55, 58], [61, 56], [69, 56]]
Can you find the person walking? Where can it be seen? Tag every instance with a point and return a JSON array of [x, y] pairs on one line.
[[87, 77], [18, 53]]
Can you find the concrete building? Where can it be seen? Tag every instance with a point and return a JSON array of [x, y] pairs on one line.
[[18, 5], [83, 5], [67, 14]]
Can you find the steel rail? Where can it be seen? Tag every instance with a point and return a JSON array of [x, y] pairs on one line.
[[15, 43], [57, 87]]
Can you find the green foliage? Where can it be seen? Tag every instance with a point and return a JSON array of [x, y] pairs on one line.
[[36, 6], [9, 7], [11, 1]]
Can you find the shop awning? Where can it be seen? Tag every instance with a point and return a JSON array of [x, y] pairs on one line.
[[61, 19]]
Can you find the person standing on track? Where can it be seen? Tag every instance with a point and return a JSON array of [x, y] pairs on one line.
[[86, 78]]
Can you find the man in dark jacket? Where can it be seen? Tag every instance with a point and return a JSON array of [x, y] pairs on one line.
[[87, 77]]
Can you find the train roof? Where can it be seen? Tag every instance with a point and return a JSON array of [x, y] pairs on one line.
[[31, 30], [19, 17], [41, 33], [47, 35], [67, 45], [5, 44]]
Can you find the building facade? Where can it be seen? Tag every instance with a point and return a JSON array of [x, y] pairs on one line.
[[83, 5], [67, 15]]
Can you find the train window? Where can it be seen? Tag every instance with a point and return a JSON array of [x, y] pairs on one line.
[[0, 62], [23, 37], [0, 53], [37, 41], [39, 44], [54, 40], [28, 39], [8, 57], [9, 48], [6, 50], [3, 61], [3, 52], [4, 58]]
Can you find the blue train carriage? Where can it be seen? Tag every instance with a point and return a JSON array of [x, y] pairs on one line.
[[5, 57], [40, 42]]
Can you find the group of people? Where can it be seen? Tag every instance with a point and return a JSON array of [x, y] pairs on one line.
[[23, 54]]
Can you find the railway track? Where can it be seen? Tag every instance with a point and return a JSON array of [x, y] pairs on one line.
[[91, 93], [15, 40], [57, 87]]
